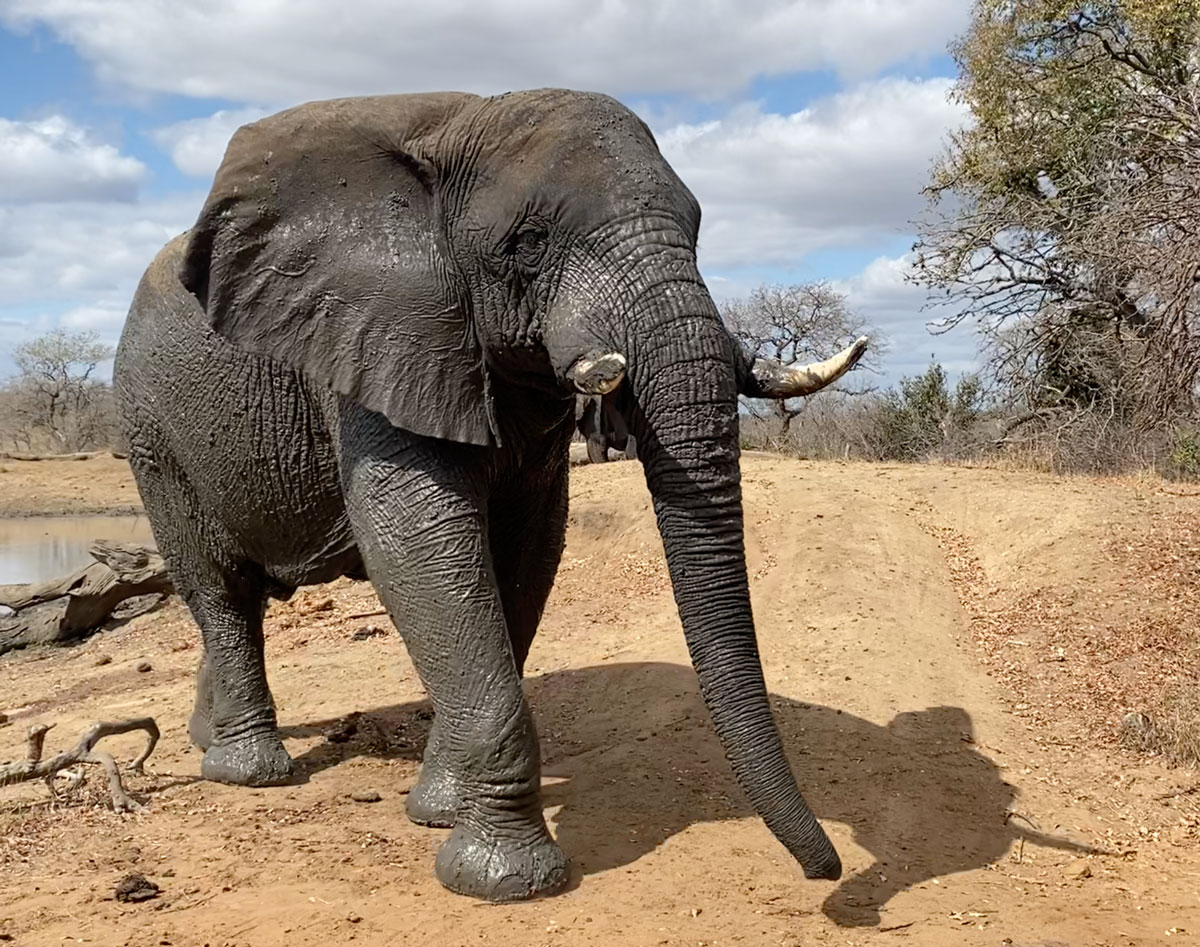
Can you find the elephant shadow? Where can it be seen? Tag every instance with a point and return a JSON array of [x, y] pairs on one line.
[[630, 759]]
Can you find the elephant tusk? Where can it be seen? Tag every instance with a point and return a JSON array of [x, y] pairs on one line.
[[772, 379], [598, 376]]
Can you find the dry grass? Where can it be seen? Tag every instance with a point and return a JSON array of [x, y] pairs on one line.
[[1118, 664]]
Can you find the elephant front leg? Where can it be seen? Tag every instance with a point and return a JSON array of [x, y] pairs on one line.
[[422, 529], [527, 524], [527, 533]]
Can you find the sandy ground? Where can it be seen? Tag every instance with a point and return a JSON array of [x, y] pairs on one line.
[[925, 634], [99, 485]]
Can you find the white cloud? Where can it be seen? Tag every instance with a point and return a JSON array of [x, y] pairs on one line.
[[257, 51], [882, 294], [197, 146], [105, 318], [76, 265], [53, 159], [848, 169], [71, 254]]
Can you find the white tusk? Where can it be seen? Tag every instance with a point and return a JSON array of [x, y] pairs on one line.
[[598, 376], [772, 379]]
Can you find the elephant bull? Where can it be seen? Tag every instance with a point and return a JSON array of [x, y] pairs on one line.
[[363, 360]]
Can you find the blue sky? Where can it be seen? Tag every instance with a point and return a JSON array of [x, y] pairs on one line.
[[805, 127]]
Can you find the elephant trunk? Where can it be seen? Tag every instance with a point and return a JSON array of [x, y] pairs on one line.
[[684, 415]]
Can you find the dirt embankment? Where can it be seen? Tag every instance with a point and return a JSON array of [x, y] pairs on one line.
[[68, 487], [910, 622]]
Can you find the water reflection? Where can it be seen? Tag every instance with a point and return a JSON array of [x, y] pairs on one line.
[[37, 548]]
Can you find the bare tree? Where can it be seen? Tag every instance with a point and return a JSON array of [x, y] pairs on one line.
[[56, 394], [804, 322]]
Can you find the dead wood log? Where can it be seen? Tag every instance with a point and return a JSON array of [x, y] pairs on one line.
[[69, 609], [77, 455], [34, 767]]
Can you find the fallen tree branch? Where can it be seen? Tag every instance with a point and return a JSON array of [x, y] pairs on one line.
[[70, 608], [34, 767], [77, 455]]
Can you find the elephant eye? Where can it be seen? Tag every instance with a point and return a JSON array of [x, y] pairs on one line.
[[528, 243]]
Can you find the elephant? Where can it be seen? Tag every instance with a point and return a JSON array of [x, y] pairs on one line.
[[362, 360]]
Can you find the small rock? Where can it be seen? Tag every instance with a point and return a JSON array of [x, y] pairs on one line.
[[1079, 869], [367, 631], [343, 730], [136, 888], [144, 666], [102, 660], [354, 918], [366, 795]]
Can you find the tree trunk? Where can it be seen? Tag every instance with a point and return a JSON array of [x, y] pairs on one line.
[[70, 609]]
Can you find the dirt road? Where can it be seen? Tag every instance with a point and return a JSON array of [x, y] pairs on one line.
[[965, 815]]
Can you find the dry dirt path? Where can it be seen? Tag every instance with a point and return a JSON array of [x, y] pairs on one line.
[[960, 819]]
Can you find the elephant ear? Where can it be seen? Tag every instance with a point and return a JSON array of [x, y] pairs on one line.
[[321, 246]]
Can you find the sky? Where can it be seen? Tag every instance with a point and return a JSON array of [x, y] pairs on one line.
[[806, 128]]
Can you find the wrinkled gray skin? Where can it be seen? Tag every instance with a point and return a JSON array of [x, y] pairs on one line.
[[356, 363]]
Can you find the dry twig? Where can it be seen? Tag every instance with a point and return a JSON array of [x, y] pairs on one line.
[[34, 767]]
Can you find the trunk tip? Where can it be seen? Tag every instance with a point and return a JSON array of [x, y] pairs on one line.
[[828, 867]]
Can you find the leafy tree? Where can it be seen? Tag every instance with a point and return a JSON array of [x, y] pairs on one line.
[[1066, 217]]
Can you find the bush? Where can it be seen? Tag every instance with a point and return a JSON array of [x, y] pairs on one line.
[[921, 420], [1183, 461]]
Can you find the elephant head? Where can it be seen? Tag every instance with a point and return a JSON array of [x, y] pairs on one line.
[[425, 254]]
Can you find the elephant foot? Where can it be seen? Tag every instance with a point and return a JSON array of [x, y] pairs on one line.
[[435, 799], [252, 761], [502, 868]]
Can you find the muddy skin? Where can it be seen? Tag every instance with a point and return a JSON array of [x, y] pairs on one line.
[[359, 362]]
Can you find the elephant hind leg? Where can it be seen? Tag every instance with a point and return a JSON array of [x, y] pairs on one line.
[[200, 722], [437, 795], [234, 716]]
